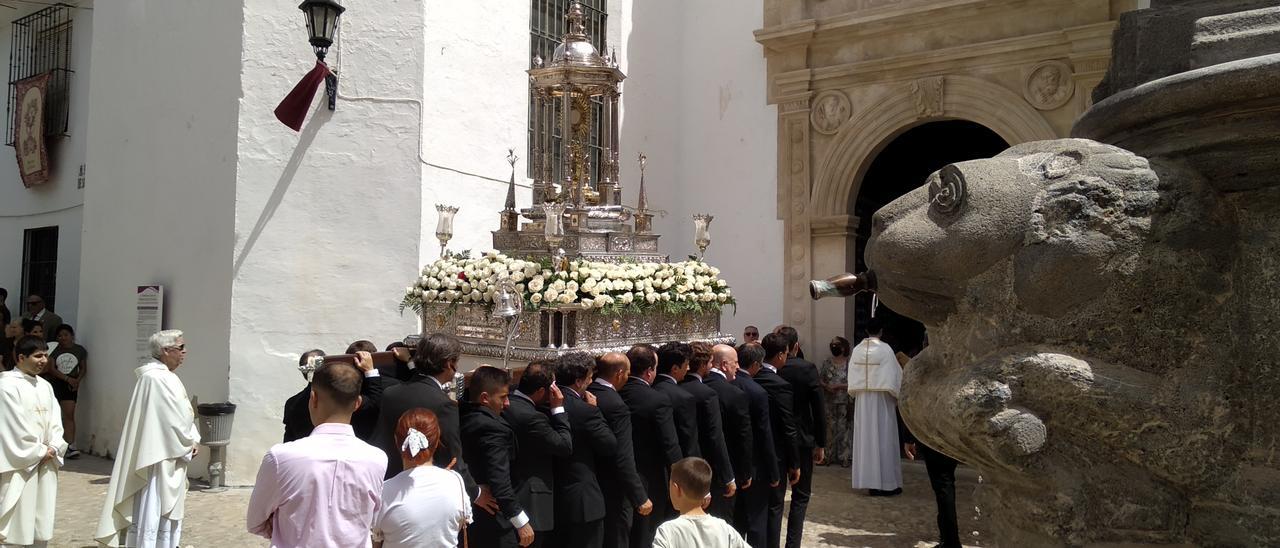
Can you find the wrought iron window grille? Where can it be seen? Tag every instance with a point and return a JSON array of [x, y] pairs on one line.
[[41, 43]]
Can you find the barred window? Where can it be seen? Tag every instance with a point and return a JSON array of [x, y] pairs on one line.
[[546, 26], [40, 44]]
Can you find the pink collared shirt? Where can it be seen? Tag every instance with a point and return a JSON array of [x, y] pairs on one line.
[[321, 490]]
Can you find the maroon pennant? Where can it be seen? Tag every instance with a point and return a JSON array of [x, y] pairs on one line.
[[292, 111]]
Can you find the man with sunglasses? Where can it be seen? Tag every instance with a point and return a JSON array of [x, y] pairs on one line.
[[37, 311], [145, 500]]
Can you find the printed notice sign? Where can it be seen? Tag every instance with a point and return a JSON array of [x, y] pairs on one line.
[[150, 304]]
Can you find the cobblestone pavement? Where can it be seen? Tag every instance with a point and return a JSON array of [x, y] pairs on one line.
[[837, 517]]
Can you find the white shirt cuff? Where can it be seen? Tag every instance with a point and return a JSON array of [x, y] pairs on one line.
[[520, 520], [557, 410], [372, 373], [730, 482]]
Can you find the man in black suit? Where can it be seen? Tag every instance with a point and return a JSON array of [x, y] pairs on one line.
[[751, 511], [624, 494], [654, 432], [786, 436], [365, 420], [710, 430], [673, 365], [401, 368], [541, 438], [735, 414], [579, 502], [811, 420], [435, 363], [492, 446], [297, 419]]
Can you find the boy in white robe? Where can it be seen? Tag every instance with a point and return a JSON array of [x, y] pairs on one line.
[[874, 379], [147, 496], [31, 448]]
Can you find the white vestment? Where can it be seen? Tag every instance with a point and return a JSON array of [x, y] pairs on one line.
[[148, 491], [30, 424], [874, 379]]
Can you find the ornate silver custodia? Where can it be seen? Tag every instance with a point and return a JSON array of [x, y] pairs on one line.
[[550, 252]]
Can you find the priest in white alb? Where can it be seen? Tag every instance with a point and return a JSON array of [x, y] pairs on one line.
[[31, 448], [874, 380], [144, 506]]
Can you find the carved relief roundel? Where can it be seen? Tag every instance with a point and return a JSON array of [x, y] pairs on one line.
[[1048, 85], [830, 110]]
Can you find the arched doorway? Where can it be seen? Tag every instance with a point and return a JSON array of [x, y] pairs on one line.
[[902, 165]]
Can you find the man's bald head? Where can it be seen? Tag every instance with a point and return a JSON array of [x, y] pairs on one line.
[[725, 359], [613, 367]]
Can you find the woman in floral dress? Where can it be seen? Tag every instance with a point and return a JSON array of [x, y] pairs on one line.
[[836, 383]]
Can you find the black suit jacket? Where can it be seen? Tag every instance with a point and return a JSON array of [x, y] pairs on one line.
[[654, 432], [810, 405], [578, 496], [297, 418], [492, 446], [541, 440], [710, 434], [422, 391], [735, 416], [624, 481], [365, 420], [764, 452], [684, 411], [786, 435]]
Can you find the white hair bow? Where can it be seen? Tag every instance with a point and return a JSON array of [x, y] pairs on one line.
[[415, 442]]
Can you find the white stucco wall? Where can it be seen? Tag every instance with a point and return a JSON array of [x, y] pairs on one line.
[[160, 195], [475, 107], [694, 102], [58, 202], [327, 221]]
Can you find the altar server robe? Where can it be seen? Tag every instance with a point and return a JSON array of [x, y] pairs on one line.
[[150, 471], [874, 380], [30, 424]]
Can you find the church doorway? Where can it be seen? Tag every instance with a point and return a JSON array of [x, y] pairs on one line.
[[902, 165]]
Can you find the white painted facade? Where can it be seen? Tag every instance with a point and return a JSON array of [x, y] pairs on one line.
[[271, 242], [59, 202]]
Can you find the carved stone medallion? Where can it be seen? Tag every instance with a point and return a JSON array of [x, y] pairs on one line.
[[830, 111], [1048, 85]]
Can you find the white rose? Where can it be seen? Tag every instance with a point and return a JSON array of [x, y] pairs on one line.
[[465, 287], [558, 285], [530, 270], [666, 297], [651, 297], [589, 285], [451, 284], [573, 275], [482, 286], [429, 295], [627, 298], [566, 298], [600, 302], [551, 295], [535, 298], [571, 287], [588, 303], [667, 283], [536, 285]]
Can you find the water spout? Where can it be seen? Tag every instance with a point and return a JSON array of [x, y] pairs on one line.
[[843, 285]]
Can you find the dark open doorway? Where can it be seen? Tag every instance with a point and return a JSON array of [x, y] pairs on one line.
[[902, 166]]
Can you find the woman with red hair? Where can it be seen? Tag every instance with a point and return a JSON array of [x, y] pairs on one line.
[[424, 505]]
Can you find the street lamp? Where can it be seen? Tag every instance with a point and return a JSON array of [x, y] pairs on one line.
[[322, 25]]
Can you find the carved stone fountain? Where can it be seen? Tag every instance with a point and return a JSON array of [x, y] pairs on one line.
[[1104, 319]]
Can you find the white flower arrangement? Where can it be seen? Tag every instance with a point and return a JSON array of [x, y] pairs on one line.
[[687, 286]]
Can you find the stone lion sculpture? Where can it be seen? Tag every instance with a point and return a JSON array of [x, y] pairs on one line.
[[1083, 307]]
